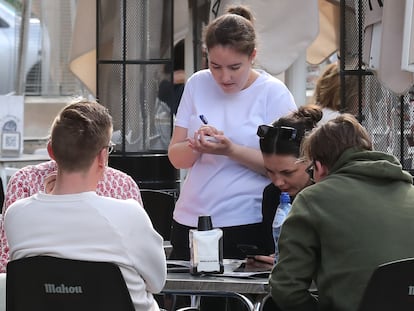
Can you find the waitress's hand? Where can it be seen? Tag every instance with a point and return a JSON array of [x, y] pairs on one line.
[[208, 139], [260, 263]]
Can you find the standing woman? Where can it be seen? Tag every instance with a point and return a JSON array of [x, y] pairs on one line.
[[226, 175]]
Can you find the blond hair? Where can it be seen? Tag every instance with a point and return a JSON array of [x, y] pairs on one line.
[[327, 92]]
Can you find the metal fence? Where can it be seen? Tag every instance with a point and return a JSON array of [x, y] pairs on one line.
[[388, 117]]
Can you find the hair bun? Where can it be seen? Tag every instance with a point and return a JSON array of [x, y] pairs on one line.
[[312, 113], [242, 11]]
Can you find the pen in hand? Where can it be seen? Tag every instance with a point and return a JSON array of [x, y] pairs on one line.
[[208, 137], [203, 119]]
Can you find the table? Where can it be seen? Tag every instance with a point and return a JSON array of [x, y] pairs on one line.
[[250, 290]]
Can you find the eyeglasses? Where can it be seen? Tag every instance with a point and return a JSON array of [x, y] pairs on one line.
[[310, 170], [282, 132], [110, 147]]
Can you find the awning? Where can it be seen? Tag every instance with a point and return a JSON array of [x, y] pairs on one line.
[[82, 60], [286, 28]]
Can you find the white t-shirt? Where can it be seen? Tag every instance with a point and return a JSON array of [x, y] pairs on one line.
[[86, 226], [216, 185]]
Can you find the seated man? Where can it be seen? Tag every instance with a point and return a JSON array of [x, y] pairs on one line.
[[358, 215], [34, 178], [73, 221]]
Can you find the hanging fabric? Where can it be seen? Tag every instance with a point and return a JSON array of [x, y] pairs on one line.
[[285, 29]]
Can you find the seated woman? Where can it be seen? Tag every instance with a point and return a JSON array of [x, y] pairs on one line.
[[280, 145]]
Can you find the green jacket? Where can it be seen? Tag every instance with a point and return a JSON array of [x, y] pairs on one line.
[[340, 229]]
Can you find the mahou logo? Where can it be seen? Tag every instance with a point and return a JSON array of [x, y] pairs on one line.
[[62, 289]]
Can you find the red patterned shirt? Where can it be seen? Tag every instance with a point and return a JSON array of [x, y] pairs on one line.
[[30, 180]]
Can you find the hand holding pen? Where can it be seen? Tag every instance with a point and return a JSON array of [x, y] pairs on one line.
[[207, 137]]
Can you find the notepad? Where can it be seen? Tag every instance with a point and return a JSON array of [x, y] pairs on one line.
[[178, 266], [247, 272], [232, 268]]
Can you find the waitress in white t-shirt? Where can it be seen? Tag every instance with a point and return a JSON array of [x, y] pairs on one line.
[[226, 103]]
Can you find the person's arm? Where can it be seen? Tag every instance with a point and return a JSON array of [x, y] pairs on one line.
[[180, 154], [131, 190], [183, 151], [260, 263], [249, 157], [147, 250], [119, 185], [135, 192], [292, 276], [17, 188], [4, 248]]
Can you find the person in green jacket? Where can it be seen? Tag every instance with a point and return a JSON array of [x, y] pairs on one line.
[[359, 214]]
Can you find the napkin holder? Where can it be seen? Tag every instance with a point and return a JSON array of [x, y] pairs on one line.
[[206, 248]]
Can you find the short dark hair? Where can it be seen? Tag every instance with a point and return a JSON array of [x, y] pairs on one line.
[[327, 142], [78, 133]]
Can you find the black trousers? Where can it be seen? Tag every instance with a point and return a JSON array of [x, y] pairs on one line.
[[232, 236]]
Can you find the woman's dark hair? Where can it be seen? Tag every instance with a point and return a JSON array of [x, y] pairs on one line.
[[284, 136], [233, 29]]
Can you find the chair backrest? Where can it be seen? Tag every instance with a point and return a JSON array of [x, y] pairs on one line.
[[391, 287], [44, 283], [159, 206]]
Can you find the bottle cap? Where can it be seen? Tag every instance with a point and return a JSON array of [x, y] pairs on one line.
[[284, 197], [204, 223]]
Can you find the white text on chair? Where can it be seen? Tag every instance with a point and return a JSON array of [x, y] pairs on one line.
[[62, 289]]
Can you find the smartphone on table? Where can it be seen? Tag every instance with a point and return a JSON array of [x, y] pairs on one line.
[[250, 250]]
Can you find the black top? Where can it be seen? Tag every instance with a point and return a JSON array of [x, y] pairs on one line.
[[170, 94], [270, 202]]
